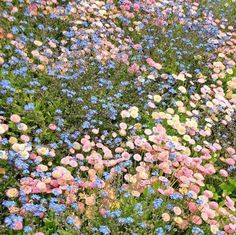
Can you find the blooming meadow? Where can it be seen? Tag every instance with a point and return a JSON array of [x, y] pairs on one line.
[[117, 117]]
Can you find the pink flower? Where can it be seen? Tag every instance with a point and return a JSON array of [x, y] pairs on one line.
[[229, 203], [137, 157], [152, 63], [209, 169], [230, 150], [213, 205], [166, 192], [210, 213], [80, 156], [165, 167], [197, 220], [15, 118], [177, 210], [208, 193], [52, 127], [65, 160], [90, 201], [33, 156], [136, 7], [137, 46], [25, 138], [125, 155], [224, 173], [130, 15], [229, 161], [102, 212], [119, 150], [217, 146], [27, 189], [17, 225], [194, 188], [73, 163], [151, 105], [41, 168], [125, 7], [230, 228], [192, 207], [134, 68], [54, 183], [86, 148], [123, 125]]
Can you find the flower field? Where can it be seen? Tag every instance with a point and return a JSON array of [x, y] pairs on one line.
[[117, 117]]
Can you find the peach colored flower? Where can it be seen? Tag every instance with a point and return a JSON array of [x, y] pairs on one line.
[[52, 127], [90, 201], [15, 118], [166, 217], [12, 192]]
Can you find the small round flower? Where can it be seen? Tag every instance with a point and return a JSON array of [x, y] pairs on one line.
[[15, 118], [134, 113], [18, 225], [157, 98], [137, 157], [22, 127], [166, 217], [3, 128], [104, 230], [224, 173], [1, 60], [177, 210], [13, 140], [90, 201], [182, 89], [214, 229], [12, 192], [123, 125], [52, 127]]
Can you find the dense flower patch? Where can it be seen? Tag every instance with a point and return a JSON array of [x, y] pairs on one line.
[[117, 117]]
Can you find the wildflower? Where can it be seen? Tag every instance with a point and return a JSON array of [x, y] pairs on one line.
[[15, 118], [159, 231], [90, 201], [29, 107], [27, 229], [104, 230], [12, 193], [157, 203], [157, 98], [166, 217]]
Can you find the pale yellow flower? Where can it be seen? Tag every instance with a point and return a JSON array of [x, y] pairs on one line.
[[157, 98]]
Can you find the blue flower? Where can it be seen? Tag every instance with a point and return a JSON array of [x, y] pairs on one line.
[[29, 107], [176, 196], [197, 231], [157, 203], [27, 229], [143, 225], [70, 220], [159, 231], [8, 204], [104, 230]]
